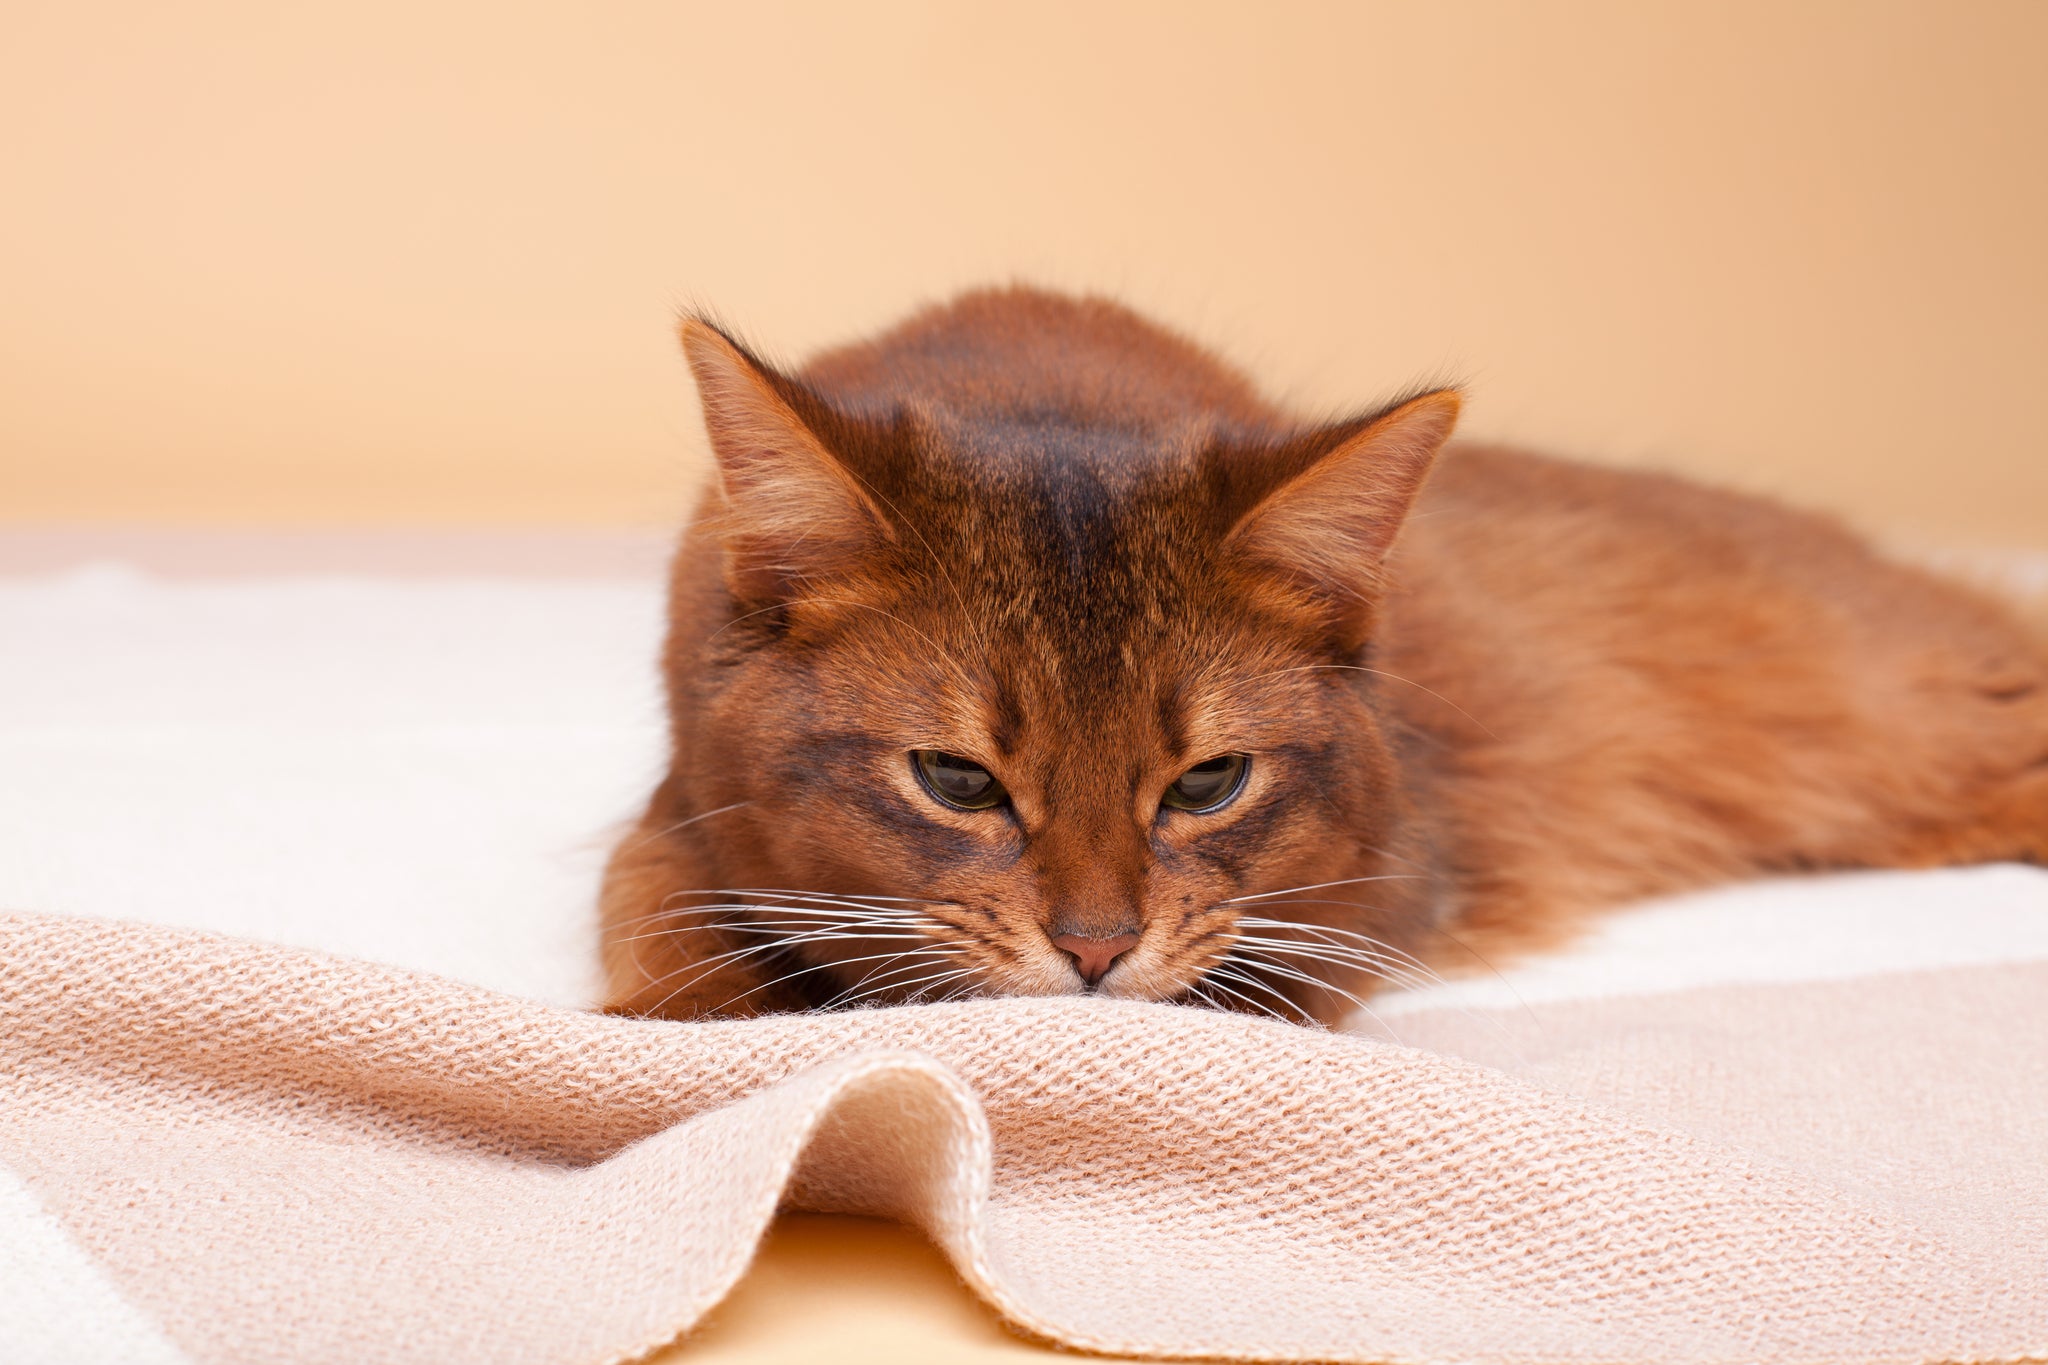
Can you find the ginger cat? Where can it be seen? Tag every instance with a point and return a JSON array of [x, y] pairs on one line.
[[1027, 650]]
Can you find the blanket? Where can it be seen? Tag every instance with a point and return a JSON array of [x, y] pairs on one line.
[[249, 1153]]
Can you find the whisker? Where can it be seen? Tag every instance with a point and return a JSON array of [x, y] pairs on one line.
[[1393, 955], [1381, 968], [918, 986], [1211, 980], [788, 913], [730, 917], [734, 912], [853, 896], [881, 973], [958, 991], [822, 932], [821, 909], [788, 918], [885, 974], [1367, 906], [923, 987], [1325, 938], [711, 965], [778, 897], [783, 891], [802, 971], [1317, 886], [1377, 944], [1430, 977], [821, 905], [814, 900], [681, 824], [1290, 974], [822, 928]]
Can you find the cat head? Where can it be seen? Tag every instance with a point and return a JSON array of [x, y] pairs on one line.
[[1040, 704]]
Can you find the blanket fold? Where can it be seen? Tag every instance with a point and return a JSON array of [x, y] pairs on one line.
[[276, 1155]]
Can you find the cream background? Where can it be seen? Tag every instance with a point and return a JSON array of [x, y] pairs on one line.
[[419, 262]]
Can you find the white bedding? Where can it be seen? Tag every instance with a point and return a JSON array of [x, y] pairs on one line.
[[427, 771]]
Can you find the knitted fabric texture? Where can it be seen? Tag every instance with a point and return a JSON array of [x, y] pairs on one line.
[[275, 1155]]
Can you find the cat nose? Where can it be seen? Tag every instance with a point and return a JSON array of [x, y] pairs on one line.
[[1093, 955]]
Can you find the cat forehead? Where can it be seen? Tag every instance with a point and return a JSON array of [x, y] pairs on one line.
[[1059, 661], [1077, 564], [1135, 717], [1046, 460], [1088, 571], [1090, 592], [1084, 525]]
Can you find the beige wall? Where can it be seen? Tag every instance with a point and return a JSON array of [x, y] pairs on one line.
[[419, 261]]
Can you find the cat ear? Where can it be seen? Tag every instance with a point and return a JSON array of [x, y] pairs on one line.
[[793, 512], [1327, 528]]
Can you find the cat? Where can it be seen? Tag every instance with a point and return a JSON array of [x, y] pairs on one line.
[[1027, 650]]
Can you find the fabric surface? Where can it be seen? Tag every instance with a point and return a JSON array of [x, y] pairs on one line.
[[275, 1155]]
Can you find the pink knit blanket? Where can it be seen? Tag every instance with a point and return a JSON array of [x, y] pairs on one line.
[[274, 1155]]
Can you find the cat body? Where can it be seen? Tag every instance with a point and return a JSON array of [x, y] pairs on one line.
[[1026, 649]]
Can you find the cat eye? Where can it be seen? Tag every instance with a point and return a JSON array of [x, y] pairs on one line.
[[958, 782], [1209, 784]]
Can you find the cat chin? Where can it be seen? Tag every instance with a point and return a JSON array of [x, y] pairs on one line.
[[1128, 981], [1139, 979], [1036, 980]]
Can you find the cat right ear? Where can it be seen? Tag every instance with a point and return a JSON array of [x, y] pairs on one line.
[[1327, 528], [793, 512]]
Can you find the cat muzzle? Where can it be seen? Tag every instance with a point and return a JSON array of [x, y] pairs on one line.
[[1094, 956]]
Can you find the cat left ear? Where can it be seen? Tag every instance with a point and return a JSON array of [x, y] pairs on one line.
[[1328, 527], [793, 511]]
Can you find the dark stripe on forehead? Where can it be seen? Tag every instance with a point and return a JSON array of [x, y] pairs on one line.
[[1005, 721], [1170, 712]]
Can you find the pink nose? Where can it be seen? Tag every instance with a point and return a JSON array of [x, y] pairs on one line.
[[1093, 955]]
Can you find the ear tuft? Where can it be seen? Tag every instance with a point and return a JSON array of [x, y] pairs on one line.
[[1327, 529], [793, 511]]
